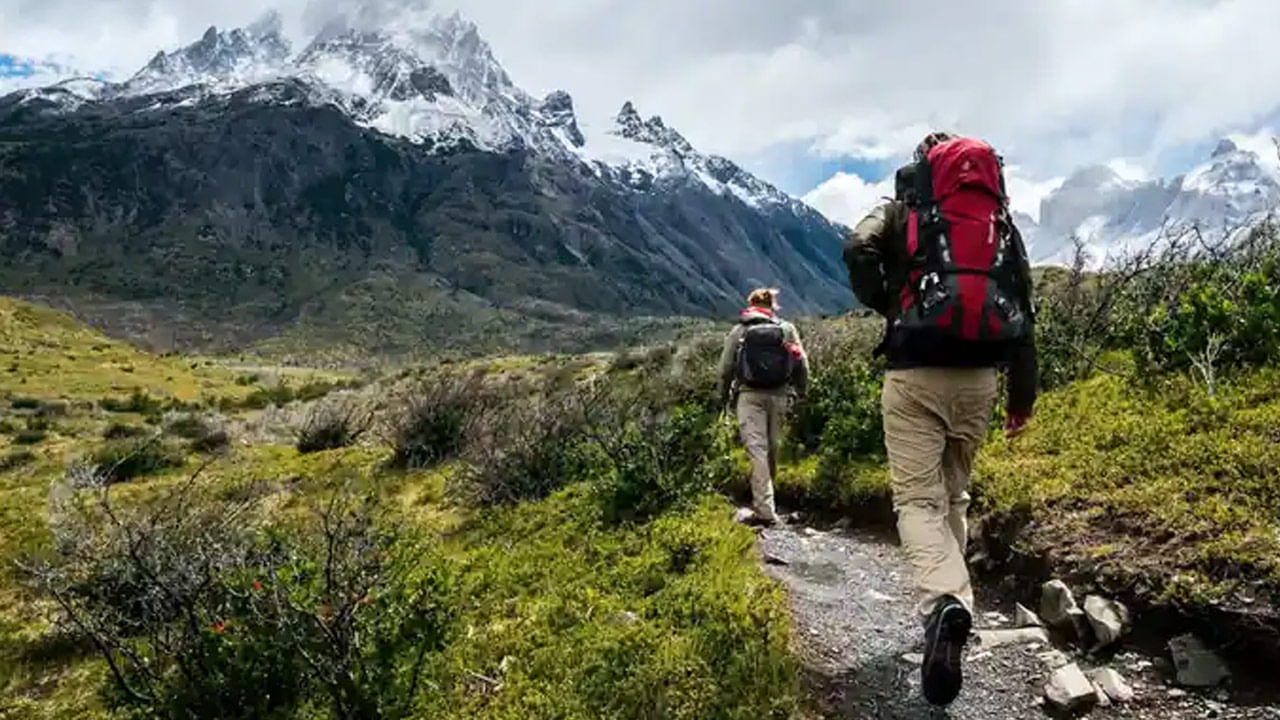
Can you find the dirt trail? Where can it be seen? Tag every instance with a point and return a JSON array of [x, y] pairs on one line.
[[852, 603]]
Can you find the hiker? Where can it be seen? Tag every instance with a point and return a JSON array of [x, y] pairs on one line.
[[764, 363], [945, 266]]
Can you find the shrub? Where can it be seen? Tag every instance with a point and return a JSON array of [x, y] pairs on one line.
[[333, 426], [655, 462], [7, 427], [527, 451], [437, 419], [204, 434], [25, 403], [16, 459], [29, 436], [200, 611], [121, 431], [124, 460], [138, 402]]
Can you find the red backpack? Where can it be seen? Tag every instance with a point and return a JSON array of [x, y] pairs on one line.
[[962, 282]]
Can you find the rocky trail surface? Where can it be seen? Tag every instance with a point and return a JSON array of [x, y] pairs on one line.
[[859, 640]]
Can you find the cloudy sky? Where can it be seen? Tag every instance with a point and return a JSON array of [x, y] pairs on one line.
[[822, 97]]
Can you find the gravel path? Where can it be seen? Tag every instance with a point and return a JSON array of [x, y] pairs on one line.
[[851, 599]]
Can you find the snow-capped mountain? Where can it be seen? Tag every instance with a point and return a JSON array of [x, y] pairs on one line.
[[393, 138], [1113, 215]]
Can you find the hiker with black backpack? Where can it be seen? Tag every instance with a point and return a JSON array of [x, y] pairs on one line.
[[764, 363], [946, 267]]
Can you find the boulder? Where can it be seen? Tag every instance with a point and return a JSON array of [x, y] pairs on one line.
[[1108, 618], [1024, 617], [1196, 665], [1113, 684], [1068, 689], [1057, 604]]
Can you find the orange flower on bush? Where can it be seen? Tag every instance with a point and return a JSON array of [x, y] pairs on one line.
[[257, 586], [218, 627]]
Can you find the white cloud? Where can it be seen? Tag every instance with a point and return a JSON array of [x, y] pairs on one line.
[[1025, 194], [846, 197], [1054, 85]]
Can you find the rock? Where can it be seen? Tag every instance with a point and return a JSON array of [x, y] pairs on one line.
[[843, 524], [996, 618], [744, 515], [771, 559], [1054, 659], [1057, 604], [1069, 689], [1024, 617], [1108, 619], [1113, 684], [809, 532], [1019, 636], [1101, 695], [913, 658], [1176, 693], [1196, 665]]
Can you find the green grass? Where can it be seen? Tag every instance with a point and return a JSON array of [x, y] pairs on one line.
[[1172, 483]]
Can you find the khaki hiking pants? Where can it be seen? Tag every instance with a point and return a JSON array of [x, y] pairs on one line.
[[760, 416], [934, 423]]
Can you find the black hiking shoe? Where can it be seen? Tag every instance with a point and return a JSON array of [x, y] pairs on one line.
[[946, 632]]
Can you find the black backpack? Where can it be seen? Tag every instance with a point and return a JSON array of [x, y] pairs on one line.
[[764, 361]]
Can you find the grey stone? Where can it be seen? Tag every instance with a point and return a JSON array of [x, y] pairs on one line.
[[1057, 604], [1108, 619], [913, 658], [996, 618], [1196, 665], [1018, 636], [1113, 684], [744, 515], [1054, 659], [1102, 699], [770, 559], [1069, 689], [1024, 617]]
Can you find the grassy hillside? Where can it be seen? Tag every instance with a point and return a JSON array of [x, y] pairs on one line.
[[554, 606]]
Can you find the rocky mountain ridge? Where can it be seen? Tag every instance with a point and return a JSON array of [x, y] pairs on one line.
[[392, 151]]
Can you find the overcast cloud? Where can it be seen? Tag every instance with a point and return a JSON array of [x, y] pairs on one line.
[[1054, 83]]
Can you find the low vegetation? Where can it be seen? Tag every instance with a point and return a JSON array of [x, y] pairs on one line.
[[543, 537]]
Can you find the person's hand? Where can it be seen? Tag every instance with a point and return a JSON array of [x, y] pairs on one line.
[[1015, 423]]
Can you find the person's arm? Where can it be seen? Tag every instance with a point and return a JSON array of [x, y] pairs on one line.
[[864, 256], [800, 369], [1023, 365], [728, 361]]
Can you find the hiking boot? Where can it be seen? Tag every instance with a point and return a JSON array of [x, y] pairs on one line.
[[946, 632]]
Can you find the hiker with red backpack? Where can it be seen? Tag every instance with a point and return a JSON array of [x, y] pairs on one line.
[[764, 362], [946, 267]]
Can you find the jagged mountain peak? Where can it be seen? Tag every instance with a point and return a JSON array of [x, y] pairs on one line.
[[231, 57], [1225, 147], [652, 131]]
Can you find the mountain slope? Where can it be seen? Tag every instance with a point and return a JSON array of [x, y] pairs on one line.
[[233, 187]]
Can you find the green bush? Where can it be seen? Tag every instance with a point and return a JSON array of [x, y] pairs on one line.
[[437, 419], [25, 403], [124, 460], [121, 431], [201, 613], [16, 459], [333, 426], [29, 436], [655, 462], [138, 402], [530, 448]]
